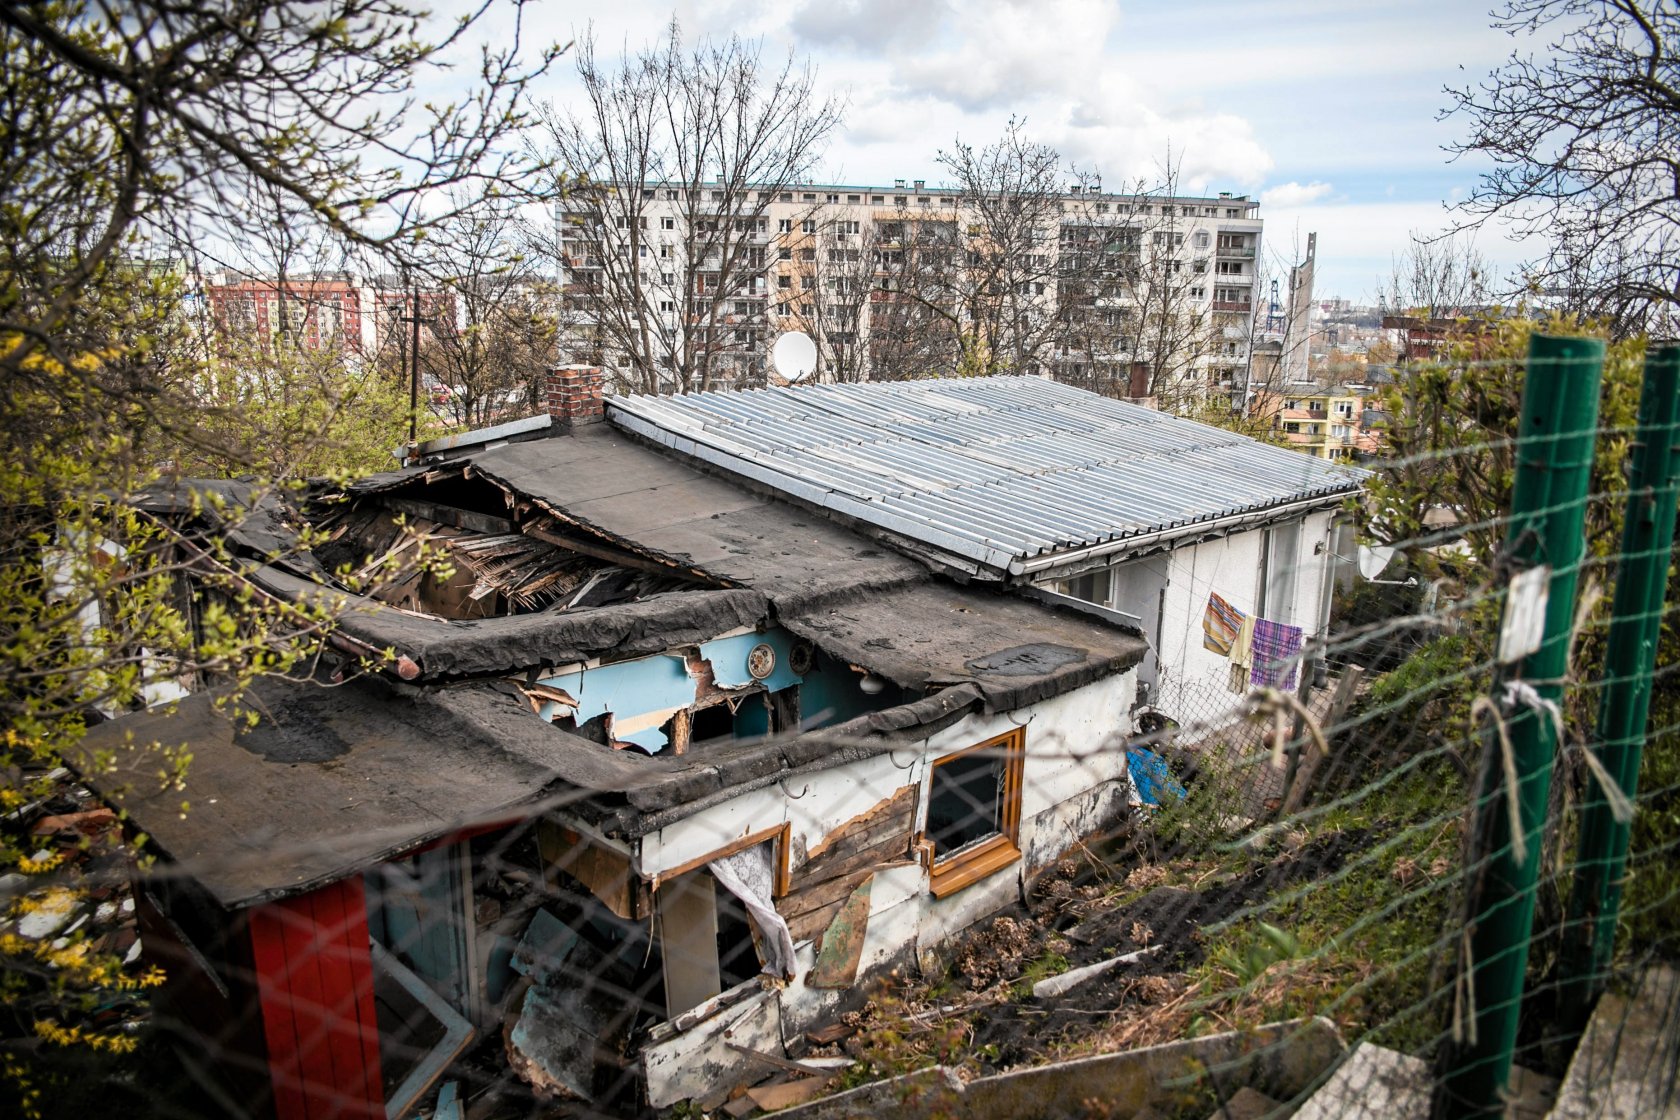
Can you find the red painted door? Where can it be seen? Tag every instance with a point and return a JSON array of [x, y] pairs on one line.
[[315, 983]]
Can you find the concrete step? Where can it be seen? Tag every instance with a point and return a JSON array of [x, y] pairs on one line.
[[1628, 1062], [1376, 1083]]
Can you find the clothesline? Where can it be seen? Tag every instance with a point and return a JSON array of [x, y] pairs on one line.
[[1263, 653]]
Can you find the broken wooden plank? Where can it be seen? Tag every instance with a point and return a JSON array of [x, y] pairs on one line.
[[774, 1061], [451, 515], [830, 1034], [841, 949], [699, 1061], [809, 926], [692, 1018], [1305, 765], [740, 1106], [608, 874], [902, 802], [786, 1094], [608, 553], [540, 693], [798, 902], [892, 849]]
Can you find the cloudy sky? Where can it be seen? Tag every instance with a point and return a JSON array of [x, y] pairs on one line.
[[1327, 111]]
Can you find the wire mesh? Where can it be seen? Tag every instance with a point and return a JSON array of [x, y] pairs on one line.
[[1031, 895]]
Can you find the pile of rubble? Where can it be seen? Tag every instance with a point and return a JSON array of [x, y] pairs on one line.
[[69, 903]]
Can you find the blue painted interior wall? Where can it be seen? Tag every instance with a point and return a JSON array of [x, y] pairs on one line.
[[829, 694]]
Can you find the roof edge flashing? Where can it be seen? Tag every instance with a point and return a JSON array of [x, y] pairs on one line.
[[1117, 548]]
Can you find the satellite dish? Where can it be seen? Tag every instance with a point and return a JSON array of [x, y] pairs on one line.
[[794, 356], [1373, 559]]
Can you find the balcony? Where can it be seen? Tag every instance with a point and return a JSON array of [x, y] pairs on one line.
[[1235, 254], [1243, 307]]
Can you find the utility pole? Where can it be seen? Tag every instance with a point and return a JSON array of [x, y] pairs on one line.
[[415, 319]]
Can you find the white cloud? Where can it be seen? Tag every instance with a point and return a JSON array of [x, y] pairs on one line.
[[997, 53], [866, 26], [1294, 194], [971, 64], [1293, 100], [1358, 242], [1119, 133]]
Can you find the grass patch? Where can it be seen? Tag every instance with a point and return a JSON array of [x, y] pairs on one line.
[[1364, 943]]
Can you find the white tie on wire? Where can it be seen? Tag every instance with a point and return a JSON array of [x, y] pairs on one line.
[[1523, 694]]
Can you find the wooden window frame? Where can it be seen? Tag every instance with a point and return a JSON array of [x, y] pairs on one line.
[[778, 834], [946, 877]]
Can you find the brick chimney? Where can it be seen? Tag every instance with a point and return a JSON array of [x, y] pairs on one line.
[[1138, 380], [575, 393]]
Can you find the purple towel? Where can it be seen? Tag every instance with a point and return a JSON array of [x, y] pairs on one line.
[[1277, 655]]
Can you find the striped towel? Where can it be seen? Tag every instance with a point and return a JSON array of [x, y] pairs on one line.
[[1277, 655], [1220, 623]]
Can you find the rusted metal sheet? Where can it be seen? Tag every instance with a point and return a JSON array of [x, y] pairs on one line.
[[842, 942]]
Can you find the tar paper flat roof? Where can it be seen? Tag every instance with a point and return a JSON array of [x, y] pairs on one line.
[[854, 598], [999, 470]]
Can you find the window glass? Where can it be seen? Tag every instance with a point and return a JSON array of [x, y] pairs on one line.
[[1092, 587], [965, 805], [973, 822]]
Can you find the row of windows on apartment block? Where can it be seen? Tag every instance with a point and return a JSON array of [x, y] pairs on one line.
[[758, 257], [841, 286], [1167, 209], [1072, 236], [1339, 431], [1342, 408], [839, 322]]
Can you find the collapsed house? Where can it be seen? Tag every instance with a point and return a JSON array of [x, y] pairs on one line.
[[660, 769]]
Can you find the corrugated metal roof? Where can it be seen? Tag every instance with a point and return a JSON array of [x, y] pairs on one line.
[[1012, 473]]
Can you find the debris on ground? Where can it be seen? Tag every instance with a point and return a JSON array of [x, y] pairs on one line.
[[1093, 963], [69, 903], [997, 952]]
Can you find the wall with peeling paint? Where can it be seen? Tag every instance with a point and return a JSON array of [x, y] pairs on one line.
[[1074, 783], [643, 694]]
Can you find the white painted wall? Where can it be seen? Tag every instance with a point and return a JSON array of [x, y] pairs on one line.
[[1230, 566], [1186, 680], [1074, 782], [1073, 745]]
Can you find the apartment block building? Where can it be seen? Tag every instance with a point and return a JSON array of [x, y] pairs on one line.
[[1326, 422], [322, 311], [685, 286]]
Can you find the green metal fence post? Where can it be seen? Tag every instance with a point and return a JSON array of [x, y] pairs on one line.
[[1625, 702], [1548, 510]]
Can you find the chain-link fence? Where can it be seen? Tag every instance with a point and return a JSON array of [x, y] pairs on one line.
[[1419, 865]]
